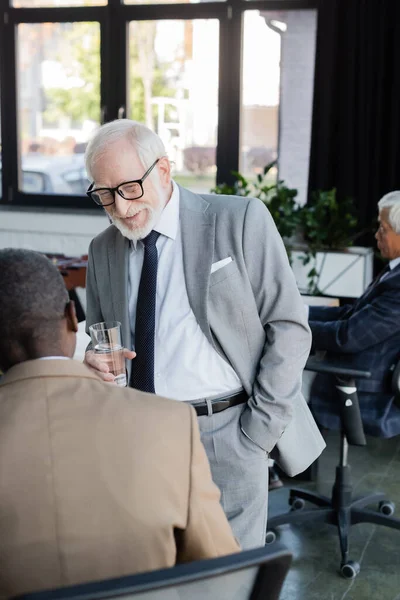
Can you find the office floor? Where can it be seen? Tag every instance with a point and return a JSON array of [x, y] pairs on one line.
[[315, 547]]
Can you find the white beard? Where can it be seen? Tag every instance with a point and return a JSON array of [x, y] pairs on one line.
[[138, 233]]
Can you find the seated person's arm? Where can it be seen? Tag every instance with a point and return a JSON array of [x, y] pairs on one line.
[[364, 328], [327, 313], [208, 533]]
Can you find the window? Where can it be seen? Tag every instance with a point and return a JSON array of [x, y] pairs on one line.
[[164, 1], [55, 3], [276, 106], [173, 88], [227, 85], [260, 94], [1, 179], [58, 76]]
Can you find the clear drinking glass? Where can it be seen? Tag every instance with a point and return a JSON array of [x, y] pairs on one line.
[[106, 340]]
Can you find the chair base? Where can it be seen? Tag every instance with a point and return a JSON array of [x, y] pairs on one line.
[[341, 510]]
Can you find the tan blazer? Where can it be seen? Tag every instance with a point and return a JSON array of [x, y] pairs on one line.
[[98, 481]]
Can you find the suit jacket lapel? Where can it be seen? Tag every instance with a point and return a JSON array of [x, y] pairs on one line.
[[198, 238], [118, 264], [371, 290]]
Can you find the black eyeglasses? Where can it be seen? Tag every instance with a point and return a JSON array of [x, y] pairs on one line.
[[128, 190]]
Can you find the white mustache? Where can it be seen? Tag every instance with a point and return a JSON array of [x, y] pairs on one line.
[[134, 210]]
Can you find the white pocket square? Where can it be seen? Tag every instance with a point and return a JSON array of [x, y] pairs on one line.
[[221, 263]]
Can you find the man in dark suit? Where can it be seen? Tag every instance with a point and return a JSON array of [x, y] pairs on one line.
[[365, 335]]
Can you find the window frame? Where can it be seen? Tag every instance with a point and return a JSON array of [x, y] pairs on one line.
[[114, 19]]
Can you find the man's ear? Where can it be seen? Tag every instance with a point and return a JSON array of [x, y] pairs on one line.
[[70, 315], [164, 169]]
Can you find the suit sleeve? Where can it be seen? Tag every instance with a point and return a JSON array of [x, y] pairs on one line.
[[288, 340], [368, 326], [93, 310], [328, 313], [208, 533]]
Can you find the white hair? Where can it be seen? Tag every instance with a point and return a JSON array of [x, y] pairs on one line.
[[392, 202], [147, 144]]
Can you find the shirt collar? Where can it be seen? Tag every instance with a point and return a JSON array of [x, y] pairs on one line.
[[393, 263], [54, 358], [168, 222]]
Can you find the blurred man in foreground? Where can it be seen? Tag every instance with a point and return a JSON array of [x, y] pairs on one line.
[[96, 481]]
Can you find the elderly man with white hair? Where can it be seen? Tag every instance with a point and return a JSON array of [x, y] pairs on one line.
[[208, 301], [366, 336]]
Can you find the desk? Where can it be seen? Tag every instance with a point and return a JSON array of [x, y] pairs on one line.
[[72, 268], [320, 300], [341, 273]]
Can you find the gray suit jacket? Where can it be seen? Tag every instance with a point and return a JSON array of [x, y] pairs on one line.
[[250, 311]]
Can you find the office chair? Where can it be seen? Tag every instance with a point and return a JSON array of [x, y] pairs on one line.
[[341, 509], [251, 575], [396, 384]]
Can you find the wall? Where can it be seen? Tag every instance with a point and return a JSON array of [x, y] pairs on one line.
[[45, 231]]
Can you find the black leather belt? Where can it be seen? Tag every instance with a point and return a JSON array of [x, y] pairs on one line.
[[220, 404]]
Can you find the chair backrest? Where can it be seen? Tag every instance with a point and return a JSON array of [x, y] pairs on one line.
[[251, 575], [347, 399]]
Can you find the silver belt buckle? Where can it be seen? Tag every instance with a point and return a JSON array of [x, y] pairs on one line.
[[225, 404]]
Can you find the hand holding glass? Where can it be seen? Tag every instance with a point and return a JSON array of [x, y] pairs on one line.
[[106, 340]]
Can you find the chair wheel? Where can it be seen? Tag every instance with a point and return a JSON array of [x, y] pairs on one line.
[[386, 508], [296, 503], [350, 570], [270, 537]]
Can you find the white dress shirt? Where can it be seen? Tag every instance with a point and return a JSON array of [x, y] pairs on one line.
[[186, 366], [393, 263]]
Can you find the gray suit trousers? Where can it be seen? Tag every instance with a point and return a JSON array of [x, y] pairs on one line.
[[240, 470]]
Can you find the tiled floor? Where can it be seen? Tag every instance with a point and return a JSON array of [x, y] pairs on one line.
[[316, 557]]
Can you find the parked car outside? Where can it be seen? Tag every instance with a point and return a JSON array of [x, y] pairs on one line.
[[43, 174]]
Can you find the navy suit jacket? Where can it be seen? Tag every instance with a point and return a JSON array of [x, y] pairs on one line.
[[365, 335]]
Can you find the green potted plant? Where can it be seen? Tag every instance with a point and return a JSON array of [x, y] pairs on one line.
[[326, 224], [280, 200], [323, 225]]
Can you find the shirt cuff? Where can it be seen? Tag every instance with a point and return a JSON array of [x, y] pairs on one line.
[[307, 309]]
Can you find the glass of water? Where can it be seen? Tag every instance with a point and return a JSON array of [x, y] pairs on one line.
[[106, 340]]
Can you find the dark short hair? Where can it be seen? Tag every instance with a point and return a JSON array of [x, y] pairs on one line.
[[32, 294]]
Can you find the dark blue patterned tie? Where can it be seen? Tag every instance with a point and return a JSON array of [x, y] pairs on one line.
[[142, 377]]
